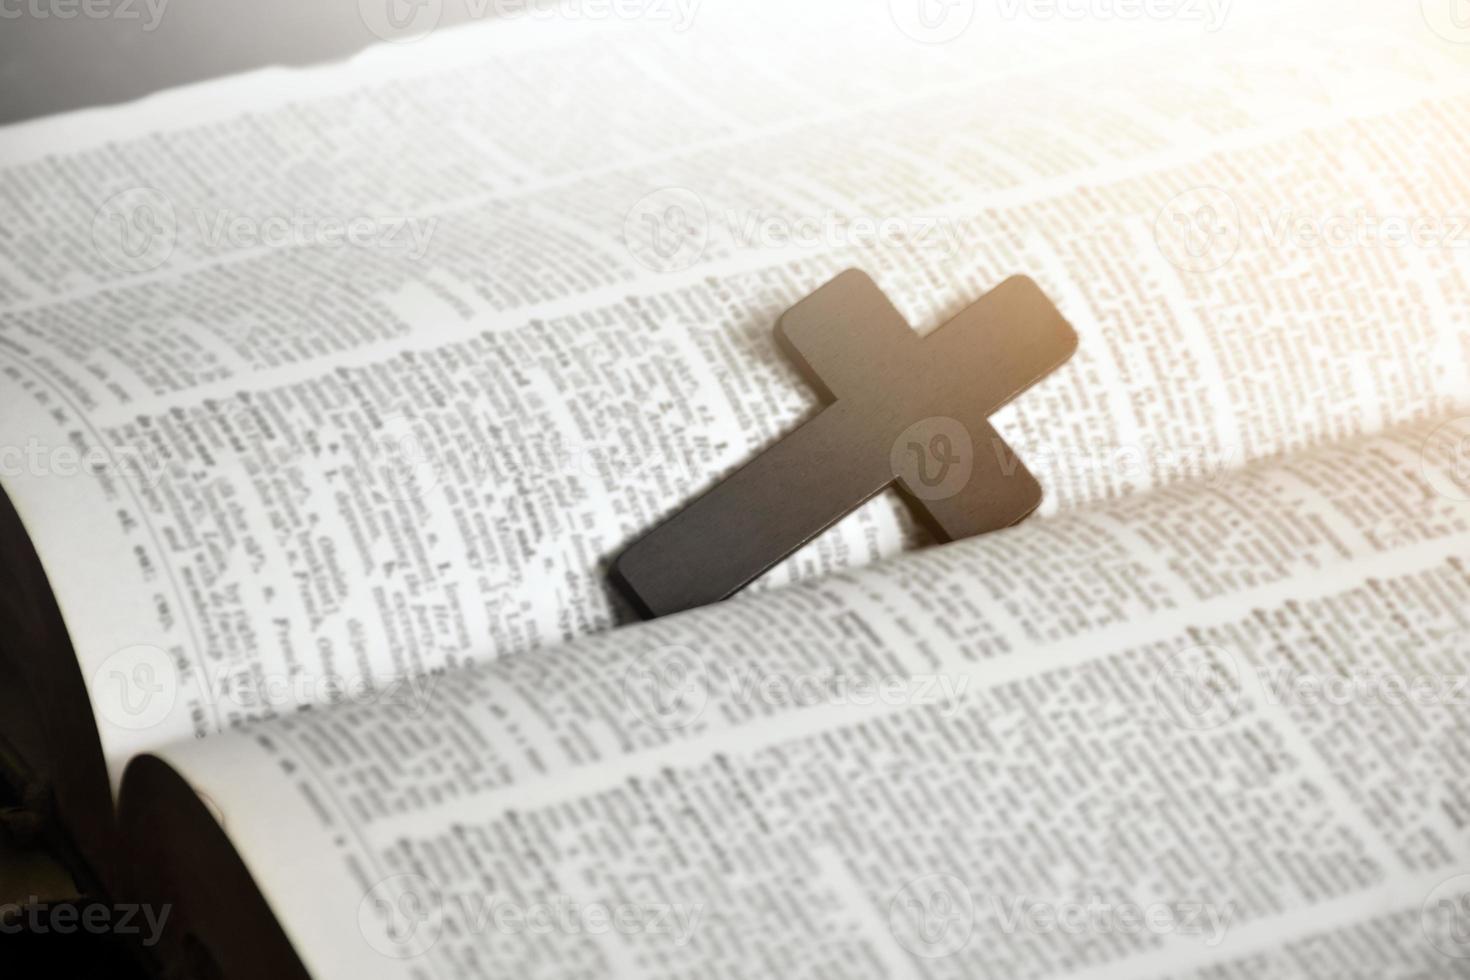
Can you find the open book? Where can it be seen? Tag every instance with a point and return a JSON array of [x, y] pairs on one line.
[[326, 397]]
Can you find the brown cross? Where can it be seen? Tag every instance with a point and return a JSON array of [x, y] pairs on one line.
[[902, 410]]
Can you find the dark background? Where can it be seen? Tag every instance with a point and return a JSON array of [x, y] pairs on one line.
[[48, 64]]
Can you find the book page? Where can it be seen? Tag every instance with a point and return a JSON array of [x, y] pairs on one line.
[[1202, 732], [317, 383]]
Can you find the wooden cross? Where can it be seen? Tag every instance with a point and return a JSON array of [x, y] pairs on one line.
[[902, 410]]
